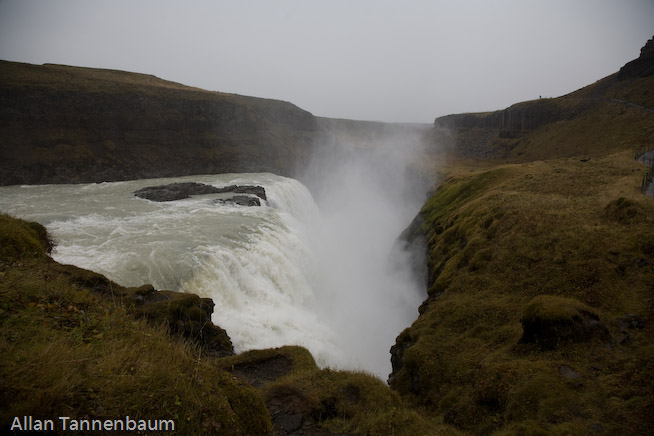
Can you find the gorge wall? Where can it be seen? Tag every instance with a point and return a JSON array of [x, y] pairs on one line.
[[61, 124], [563, 126], [642, 66], [519, 117]]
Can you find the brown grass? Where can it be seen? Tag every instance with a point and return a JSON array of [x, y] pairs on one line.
[[498, 238]]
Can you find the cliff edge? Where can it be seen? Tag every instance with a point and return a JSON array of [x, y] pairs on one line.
[[62, 124], [565, 126]]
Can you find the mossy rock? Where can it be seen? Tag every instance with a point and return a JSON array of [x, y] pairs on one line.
[[550, 321], [261, 367], [625, 211], [20, 239], [184, 314]]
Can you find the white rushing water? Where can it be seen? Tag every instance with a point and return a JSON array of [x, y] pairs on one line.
[[280, 274]]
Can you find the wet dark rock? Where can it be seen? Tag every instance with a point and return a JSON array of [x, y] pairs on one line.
[[179, 191], [292, 410], [259, 191], [413, 241], [186, 315], [241, 200], [175, 191]]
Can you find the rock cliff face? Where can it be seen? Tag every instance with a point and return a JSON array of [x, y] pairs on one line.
[[495, 134], [519, 117], [641, 67], [62, 124], [547, 127]]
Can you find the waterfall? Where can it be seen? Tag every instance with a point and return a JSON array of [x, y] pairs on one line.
[[284, 273]]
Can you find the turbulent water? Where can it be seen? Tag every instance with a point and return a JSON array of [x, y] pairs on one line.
[[280, 274]]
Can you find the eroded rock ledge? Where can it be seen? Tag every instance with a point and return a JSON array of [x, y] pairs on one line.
[[183, 314], [188, 315]]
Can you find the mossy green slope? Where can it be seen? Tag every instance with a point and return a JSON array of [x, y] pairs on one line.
[[546, 241]]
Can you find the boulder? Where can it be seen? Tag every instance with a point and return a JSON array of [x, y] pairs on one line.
[[242, 200], [184, 314], [259, 191], [550, 321]]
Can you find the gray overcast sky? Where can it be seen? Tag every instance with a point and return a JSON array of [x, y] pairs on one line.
[[367, 59]]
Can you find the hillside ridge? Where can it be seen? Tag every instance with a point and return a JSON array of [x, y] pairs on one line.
[[61, 124], [622, 103]]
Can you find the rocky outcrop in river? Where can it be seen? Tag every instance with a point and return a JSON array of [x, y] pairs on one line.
[[179, 191]]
